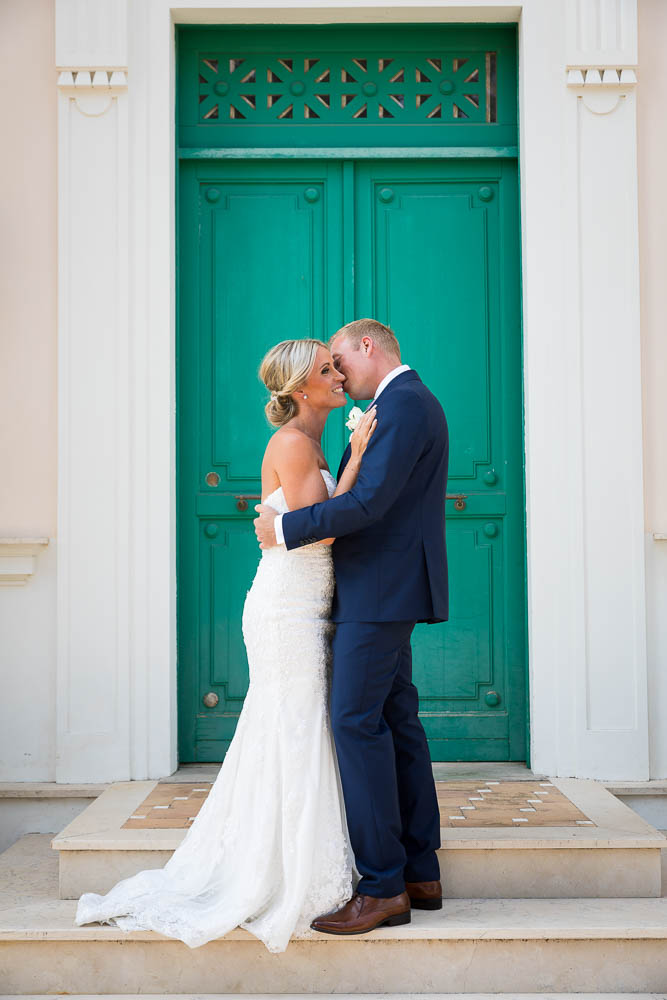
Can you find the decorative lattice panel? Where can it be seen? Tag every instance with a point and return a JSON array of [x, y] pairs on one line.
[[339, 89]]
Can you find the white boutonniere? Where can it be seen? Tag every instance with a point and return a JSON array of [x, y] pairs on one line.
[[353, 417]]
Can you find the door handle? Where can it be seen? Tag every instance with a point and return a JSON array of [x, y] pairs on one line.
[[459, 500], [242, 501]]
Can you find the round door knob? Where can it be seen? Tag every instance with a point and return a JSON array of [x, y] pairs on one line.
[[492, 698], [212, 530], [210, 699], [490, 478], [490, 529]]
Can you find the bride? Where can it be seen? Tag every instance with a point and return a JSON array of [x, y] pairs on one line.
[[269, 849]]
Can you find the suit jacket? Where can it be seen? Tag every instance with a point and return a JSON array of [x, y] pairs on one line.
[[390, 556]]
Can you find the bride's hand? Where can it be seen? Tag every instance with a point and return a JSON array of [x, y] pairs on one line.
[[362, 434]]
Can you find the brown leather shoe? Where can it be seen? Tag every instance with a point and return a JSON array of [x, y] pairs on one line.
[[364, 913], [424, 895]]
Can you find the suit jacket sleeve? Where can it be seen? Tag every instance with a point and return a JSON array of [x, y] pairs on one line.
[[399, 440]]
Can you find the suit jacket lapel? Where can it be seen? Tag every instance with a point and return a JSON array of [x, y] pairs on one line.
[[343, 462]]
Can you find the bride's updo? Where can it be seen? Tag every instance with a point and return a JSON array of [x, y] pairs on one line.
[[284, 368]]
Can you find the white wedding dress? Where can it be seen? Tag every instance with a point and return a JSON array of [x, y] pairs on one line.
[[269, 849]]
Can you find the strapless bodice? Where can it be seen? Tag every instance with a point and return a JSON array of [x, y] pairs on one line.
[[277, 498]]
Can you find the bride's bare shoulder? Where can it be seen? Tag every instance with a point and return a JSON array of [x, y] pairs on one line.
[[289, 440], [291, 443], [290, 447]]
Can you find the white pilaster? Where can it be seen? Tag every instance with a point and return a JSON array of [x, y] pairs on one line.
[[601, 679], [93, 611]]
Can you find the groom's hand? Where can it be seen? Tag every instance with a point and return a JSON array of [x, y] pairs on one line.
[[264, 526]]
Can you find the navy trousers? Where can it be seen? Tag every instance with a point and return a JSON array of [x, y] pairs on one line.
[[385, 766]]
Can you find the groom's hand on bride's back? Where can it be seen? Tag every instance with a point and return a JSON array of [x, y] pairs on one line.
[[265, 526]]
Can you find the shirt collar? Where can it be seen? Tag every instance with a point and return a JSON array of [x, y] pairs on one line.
[[388, 378]]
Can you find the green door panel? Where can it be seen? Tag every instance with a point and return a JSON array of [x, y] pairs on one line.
[[259, 264], [287, 246], [437, 259]]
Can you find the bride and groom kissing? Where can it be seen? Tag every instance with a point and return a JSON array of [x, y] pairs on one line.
[[324, 815]]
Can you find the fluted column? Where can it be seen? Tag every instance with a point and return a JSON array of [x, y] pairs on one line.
[[93, 610], [601, 701]]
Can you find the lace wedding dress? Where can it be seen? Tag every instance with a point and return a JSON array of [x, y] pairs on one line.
[[269, 849]]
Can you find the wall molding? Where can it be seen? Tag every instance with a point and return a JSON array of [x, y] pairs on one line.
[[18, 559], [601, 89], [92, 90]]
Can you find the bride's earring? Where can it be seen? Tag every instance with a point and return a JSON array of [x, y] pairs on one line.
[[305, 396]]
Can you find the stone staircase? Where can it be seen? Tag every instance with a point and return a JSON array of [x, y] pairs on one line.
[[551, 886], [578, 840]]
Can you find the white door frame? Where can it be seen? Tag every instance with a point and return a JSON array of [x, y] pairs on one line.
[[116, 494]]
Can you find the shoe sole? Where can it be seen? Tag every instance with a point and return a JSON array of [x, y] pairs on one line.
[[395, 921], [426, 904]]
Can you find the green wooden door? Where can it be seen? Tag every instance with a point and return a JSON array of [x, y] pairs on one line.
[[273, 244], [259, 265], [438, 260]]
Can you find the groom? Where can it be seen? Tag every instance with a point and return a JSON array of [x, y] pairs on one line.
[[390, 565]]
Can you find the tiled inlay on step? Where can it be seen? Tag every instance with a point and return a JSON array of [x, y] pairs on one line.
[[169, 806], [506, 803], [462, 803]]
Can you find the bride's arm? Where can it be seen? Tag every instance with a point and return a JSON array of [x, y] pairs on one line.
[[297, 467]]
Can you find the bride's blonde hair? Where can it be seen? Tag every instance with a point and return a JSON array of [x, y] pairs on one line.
[[283, 369]]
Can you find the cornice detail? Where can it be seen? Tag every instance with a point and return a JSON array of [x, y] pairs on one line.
[[601, 89], [17, 559], [93, 90]]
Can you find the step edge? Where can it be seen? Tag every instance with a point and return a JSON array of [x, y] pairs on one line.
[[100, 842], [416, 934]]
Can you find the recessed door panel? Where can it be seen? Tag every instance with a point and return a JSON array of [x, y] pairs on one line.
[[260, 263], [435, 243]]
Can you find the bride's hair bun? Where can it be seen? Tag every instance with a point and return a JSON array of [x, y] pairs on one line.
[[283, 369]]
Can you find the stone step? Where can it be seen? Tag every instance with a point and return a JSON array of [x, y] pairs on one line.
[[470, 946], [574, 839], [347, 996]]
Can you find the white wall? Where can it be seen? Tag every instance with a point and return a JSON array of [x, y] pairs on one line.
[[28, 382]]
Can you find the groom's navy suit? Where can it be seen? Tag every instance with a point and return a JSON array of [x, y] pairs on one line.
[[391, 571]]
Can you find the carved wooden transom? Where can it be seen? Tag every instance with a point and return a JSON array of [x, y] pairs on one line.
[[339, 89]]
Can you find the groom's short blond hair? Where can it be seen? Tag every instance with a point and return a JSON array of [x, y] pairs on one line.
[[382, 335]]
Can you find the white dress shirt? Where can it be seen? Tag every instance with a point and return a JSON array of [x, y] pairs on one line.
[[278, 523]]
